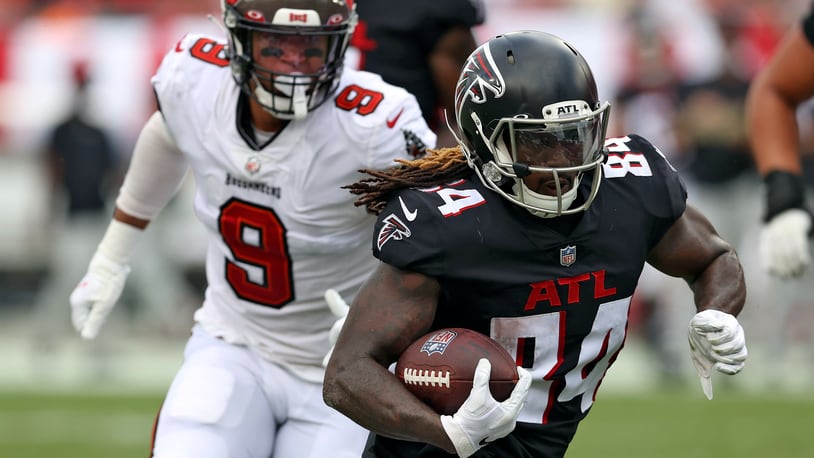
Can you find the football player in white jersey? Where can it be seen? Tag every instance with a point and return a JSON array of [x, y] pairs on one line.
[[271, 127]]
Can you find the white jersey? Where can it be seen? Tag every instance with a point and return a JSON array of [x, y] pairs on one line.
[[280, 228]]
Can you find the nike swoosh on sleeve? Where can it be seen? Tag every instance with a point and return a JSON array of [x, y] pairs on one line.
[[410, 215], [392, 122]]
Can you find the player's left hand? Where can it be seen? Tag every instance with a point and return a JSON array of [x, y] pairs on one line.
[[482, 419], [96, 294], [716, 341], [340, 309]]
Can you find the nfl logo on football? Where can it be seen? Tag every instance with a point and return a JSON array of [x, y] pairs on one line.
[[438, 342], [568, 255]]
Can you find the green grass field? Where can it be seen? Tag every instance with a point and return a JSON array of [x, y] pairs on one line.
[[687, 425], [664, 425], [73, 426]]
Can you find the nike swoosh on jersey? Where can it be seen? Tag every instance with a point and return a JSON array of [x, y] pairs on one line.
[[178, 47], [392, 122], [410, 215]]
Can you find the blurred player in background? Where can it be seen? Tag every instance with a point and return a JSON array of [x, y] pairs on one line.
[[771, 105], [512, 235], [271, 127], [81, 164], [419, 45]]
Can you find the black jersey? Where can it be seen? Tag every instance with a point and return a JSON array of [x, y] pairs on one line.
[[86, 154], [395, 38], [808, 24], [555, 292]]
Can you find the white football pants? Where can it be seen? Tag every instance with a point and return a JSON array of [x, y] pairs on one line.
[[227, 402]]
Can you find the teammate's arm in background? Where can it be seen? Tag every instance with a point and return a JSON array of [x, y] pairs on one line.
[[771, 121]]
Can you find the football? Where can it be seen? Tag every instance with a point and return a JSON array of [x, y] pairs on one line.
[[438, 367]]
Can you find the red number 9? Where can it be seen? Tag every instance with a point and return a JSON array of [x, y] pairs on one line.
[[255, 236]]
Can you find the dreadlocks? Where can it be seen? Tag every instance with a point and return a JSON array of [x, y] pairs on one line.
[[437, 167]]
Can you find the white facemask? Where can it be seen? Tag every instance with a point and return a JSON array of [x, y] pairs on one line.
[[294, 94], [545, 201]]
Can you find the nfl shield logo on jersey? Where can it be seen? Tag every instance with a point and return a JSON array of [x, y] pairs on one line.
[[568, 255], [253, 165]]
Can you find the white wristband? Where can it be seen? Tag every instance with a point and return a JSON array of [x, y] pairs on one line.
[[120, 242], [463, 445]]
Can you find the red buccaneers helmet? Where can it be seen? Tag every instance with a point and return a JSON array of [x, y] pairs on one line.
[[526, 103], [288, 95]]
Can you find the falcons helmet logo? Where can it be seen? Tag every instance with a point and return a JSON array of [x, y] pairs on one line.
[[392, 229], [479, 76]]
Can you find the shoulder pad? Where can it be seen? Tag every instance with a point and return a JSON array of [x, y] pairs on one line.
[[383, 117], [192, 55], [634, 155], [633, 162]]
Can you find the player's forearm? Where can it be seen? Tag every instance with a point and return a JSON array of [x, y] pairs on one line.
[[721, 285], [372, 397], [772, 130]]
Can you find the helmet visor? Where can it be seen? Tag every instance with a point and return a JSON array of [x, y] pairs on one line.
[[541, 145]]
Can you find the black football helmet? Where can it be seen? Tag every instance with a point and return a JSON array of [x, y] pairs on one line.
[[522, 99], [288, 96]]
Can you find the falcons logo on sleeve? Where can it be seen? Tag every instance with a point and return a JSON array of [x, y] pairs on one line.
[[392, 229], [479, 76]]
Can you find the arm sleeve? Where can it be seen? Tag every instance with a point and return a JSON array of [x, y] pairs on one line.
[[157, 170]]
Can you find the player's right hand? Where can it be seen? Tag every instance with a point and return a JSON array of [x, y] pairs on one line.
[[97, 293], [784, 243], [481, 419]]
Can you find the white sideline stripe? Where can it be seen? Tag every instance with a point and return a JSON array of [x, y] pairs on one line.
[[132, 364]]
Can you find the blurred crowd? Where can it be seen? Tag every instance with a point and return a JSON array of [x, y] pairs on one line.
[[64, 8], [675, 72]]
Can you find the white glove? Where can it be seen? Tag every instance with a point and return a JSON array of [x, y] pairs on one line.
[[340, 309], [784, 243], [716, 341], [96, 294], [481, 419], [100, 288]]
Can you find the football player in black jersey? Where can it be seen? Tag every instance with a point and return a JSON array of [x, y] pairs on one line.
[[771, 123], [533, 231], [419, 45]]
